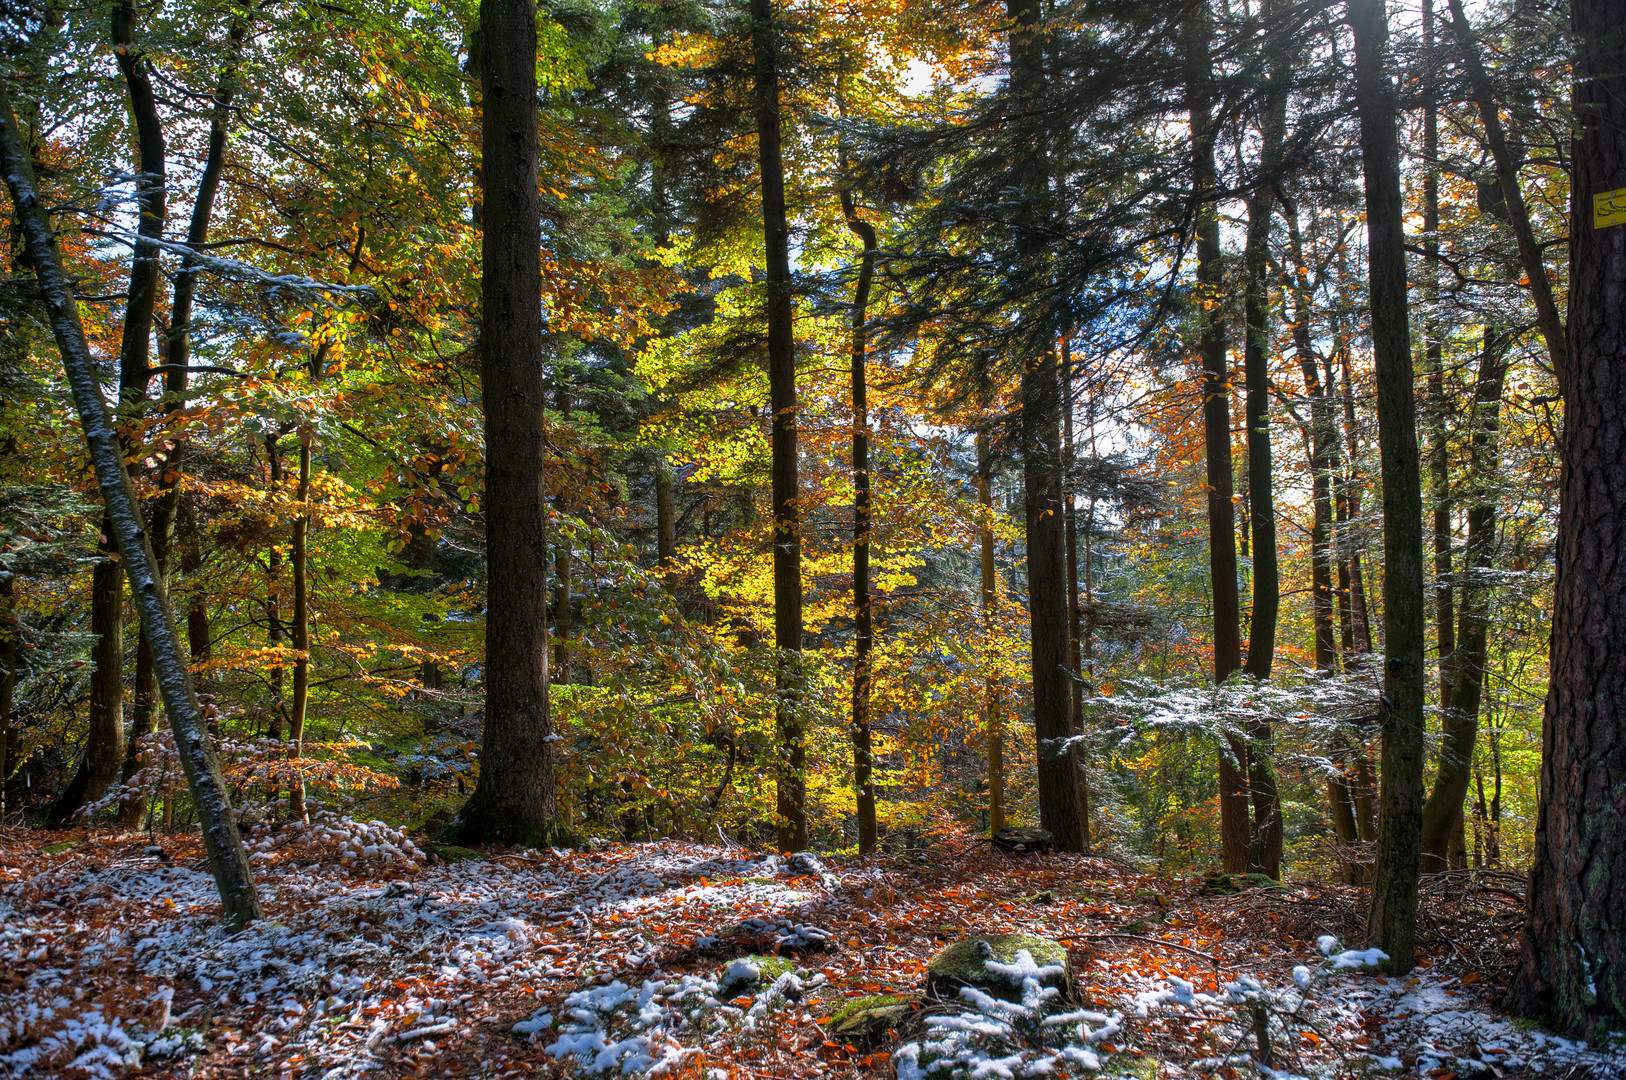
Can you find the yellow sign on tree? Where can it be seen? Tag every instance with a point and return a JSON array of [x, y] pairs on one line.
[[1609, 208]]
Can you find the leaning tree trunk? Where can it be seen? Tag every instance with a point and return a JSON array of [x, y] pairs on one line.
[[1572, 967], [787, 516], [1392, 924], [513, 800], [1222, 559], [863, 633], [221, 840]]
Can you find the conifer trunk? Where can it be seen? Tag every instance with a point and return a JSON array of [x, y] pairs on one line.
[[1392, 924], [1216, 389], [863, 632], [299, 563], [513, 800], [1042, 489], [787, 518], [1572, 966]]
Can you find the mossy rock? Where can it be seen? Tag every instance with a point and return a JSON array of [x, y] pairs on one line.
[[964, 963], [1231, 884], [1131, 1067], [733, 982], [864, 1022], [451, 852], [1040, 898]]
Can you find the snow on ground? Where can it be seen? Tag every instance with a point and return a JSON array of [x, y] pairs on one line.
[[375, 960]]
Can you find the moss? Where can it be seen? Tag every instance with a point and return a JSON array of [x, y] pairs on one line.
[[451, 852], [864, 1022], [964, 963], [61, 846], [1136, 1066], [768, 968]]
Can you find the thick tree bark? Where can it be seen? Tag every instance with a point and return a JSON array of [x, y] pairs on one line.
[[1222, 556], [224, 846], [787, 515], [1572, 967], [863, 632], [993, 707], [513, 800], [1392, 924]]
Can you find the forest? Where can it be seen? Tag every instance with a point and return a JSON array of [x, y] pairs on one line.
[[813, 538]]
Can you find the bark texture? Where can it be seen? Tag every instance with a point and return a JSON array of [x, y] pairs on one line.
[[787, 516], [1572, 967], [513, 801], [1392, 923]]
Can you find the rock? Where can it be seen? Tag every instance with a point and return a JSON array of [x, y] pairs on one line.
[[864, 1022], [1040, 898], [1022, 840], [749, 974], [965, 963]]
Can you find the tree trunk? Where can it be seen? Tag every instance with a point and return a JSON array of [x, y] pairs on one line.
[[1442, 814], [1572, 967], [224, 846], [513, 800], [863, 633], [177, 355], [104, 740], [562, 600], [299, 563], [1041, 485], [1222, 556], [275, 632], [1075, 644], [993, 708], [787, 515], [1392, 924], [1439, 453], [1265, 836]]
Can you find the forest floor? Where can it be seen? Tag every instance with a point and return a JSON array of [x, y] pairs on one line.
[[378, 959]]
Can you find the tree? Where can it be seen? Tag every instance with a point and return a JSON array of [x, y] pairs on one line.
[[787, 525], [1059, 810], [864, 633], [513, 801], [1572, 965], [1392, 924], [1216, 390], [227, 858]]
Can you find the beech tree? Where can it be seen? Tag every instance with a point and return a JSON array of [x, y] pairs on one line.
[[227, 858]]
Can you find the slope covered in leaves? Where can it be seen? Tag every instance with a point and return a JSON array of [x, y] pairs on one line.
[[380, 958]]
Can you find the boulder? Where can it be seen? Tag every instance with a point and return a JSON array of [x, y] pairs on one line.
[[1022, 840], [965, 963]]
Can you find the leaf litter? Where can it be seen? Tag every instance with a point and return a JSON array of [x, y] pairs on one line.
[[377, 959]]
